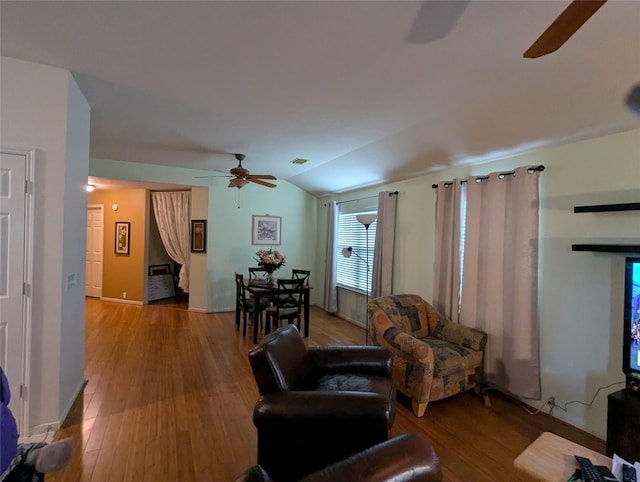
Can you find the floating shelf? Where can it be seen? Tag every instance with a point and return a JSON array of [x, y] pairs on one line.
[[607, 248], [602, 208]]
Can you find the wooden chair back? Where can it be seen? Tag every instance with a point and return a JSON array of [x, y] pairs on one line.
[[256, 273], [301, 274]]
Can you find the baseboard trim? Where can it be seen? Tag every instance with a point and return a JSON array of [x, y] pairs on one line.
[[200, 310], [119, 300], [36, 433], [76, 395], [353, 322], [49, 429]]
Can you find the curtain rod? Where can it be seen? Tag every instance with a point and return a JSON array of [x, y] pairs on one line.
[[482, 178], [392, 193]]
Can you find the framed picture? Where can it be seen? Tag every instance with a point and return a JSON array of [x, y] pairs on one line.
[[122, 237], [266, 229], [198, 235]]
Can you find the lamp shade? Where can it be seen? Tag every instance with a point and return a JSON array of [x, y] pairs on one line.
[[90, 187], [237, 182], [366, 219]]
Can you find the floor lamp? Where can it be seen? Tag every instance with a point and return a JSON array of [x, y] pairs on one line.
[[366, 220]]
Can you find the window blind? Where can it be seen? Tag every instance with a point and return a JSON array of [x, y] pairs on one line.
[[352, 272]]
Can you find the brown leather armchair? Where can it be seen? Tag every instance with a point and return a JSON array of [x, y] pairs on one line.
[[318, 404], [405, 458]]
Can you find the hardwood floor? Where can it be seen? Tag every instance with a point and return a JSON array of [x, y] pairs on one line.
[[170, 396]]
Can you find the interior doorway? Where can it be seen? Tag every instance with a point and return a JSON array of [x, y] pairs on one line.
[[95, 250], [16, 275]]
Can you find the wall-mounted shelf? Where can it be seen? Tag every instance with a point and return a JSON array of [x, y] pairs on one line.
[[607, 248], [602, 208], [602, 247]]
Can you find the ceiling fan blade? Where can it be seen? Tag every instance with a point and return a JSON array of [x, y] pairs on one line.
[[563, 27], [222, 174], [261, 176], [213, 175], [262, 183]]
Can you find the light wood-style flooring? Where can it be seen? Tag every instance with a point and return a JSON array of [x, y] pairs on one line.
[[170, 396]]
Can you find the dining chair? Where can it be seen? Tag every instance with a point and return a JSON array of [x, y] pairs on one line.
[[244, 305], [286, 304], [256, 273], [302, 274]]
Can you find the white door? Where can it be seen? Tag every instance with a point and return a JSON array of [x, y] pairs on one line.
[[95, 218], [16, 204]]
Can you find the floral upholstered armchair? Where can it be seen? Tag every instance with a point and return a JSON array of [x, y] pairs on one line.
[[433, 357]]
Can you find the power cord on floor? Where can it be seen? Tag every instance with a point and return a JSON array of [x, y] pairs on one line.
[[515, 399], [548, 402], [564, 408]]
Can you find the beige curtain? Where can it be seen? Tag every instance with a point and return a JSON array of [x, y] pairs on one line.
[[446, 285], [385, 239], [173, 213], [499, 287], [330, 303]]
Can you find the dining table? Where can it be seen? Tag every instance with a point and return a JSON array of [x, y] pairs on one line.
[[260, 289]]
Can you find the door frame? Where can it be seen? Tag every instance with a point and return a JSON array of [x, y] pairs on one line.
[[27, 292]]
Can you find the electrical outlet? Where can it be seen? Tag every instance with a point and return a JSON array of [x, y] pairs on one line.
[[551, 402], [124, 295]]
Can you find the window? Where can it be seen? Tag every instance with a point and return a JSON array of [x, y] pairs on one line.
[[352, 272]]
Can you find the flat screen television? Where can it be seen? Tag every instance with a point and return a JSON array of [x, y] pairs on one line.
[[631, 349]]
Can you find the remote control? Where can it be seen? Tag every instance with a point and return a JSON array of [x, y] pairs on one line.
[[589, 473], [628, 473]]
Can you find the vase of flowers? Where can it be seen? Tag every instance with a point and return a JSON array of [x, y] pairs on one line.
[[270, 260]]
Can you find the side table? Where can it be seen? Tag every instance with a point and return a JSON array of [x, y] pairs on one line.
[[550, 458]]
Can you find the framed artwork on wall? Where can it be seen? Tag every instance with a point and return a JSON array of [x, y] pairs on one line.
[[198, 235], [266, 229], [122, 237]]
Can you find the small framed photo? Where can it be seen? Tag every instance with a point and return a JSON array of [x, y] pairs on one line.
[[266, 229], [198, 235], [122, 237]]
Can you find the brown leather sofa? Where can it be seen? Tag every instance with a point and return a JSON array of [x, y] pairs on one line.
[[405, 458], [318, 405]]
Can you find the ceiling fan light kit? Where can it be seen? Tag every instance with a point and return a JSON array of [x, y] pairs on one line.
[[237, 182]]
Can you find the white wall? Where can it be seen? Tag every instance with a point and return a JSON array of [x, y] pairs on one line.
[[43, 108], [580, 293]]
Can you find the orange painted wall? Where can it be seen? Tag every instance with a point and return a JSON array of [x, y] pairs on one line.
[[123, 273]]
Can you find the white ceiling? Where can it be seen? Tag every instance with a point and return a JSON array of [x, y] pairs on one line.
[[367, 91]]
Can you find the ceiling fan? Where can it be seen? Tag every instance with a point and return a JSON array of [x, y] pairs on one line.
[[241, 176], [563, 27]]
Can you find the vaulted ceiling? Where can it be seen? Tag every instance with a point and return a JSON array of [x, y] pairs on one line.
[[366, 91]]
